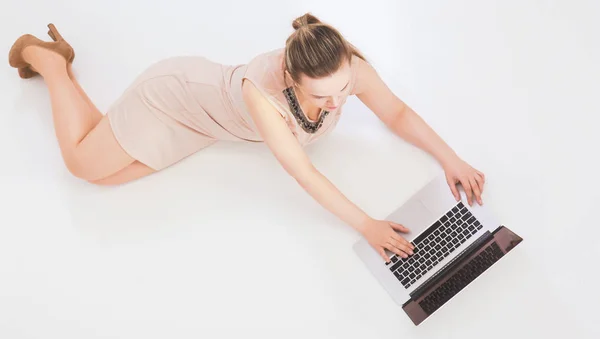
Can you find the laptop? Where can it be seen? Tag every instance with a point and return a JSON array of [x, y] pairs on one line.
[[454, 244]]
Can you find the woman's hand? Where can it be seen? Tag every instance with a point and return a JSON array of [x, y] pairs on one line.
[[381, 235], [472, 180]]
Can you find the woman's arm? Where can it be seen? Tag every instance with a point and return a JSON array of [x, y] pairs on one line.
[[294, 160], [278, 137], [407, 124]]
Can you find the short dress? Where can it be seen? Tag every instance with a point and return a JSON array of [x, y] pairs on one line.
[[183, 104]]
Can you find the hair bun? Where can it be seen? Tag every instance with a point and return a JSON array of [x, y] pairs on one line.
[[305, 20]]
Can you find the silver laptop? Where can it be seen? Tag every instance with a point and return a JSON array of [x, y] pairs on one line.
[[454, 243]]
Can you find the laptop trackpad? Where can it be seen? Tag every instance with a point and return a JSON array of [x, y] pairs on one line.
[[415, 216]]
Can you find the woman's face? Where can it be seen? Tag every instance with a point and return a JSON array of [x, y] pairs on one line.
[[327, 92]]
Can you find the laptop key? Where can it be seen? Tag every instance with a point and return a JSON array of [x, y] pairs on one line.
[[397, 265]]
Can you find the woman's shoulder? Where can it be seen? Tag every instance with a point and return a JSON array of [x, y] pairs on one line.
[[266, 72], [363, 73]]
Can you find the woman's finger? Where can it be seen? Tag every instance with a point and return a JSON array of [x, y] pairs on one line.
[[402, 249], [383, 255], [482, 176], [399, 227], [480, 182], [452, 183], [468, 189], [476, 189], [403, 241], [394, 250]]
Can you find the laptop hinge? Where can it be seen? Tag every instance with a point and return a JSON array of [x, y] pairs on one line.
[[450, 265]]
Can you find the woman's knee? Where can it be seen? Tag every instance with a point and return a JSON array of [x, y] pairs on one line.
[[79, 168], [85, 167], [98, 155]]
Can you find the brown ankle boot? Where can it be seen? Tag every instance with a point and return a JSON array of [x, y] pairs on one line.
[[15, 56]]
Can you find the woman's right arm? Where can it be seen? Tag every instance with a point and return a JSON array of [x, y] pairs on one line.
[[286, 148]]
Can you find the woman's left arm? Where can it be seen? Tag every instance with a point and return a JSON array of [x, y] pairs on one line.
[[408, 125]]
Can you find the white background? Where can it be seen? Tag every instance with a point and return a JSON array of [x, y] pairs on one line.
[[226, 245]]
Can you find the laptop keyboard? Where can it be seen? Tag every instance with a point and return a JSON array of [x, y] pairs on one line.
[[436, 243], [459, 280]]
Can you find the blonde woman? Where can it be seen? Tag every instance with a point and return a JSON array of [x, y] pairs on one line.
[[286, 98]]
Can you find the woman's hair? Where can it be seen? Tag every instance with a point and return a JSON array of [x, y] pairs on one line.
[[316, 49]]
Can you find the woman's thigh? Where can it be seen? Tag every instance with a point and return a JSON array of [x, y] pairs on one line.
[[98, 155]]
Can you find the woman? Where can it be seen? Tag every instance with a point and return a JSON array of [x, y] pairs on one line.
[[286, 98]]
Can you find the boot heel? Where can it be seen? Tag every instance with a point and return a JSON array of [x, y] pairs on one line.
[[53, 33]]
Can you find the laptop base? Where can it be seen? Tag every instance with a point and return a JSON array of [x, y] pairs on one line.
[[450, 280]]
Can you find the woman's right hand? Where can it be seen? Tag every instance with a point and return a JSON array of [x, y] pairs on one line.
[[381, 235]]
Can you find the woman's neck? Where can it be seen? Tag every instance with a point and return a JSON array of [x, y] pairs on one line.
[[310, 111]]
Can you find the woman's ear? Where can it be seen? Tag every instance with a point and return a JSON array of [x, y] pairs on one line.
[[288, 76]]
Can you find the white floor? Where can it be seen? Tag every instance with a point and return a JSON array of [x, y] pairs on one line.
[[226, 245]]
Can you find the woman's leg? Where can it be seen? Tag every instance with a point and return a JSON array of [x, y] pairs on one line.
[[85, 138], [94, 111], [132, 172]]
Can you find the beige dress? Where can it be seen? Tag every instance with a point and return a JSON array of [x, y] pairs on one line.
[[181, 105]]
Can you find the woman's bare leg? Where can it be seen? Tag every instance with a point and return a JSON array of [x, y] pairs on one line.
[[94, 111], [86, 141], [132, 172]]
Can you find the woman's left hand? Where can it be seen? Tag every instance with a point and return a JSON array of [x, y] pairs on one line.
[[472, 180]]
